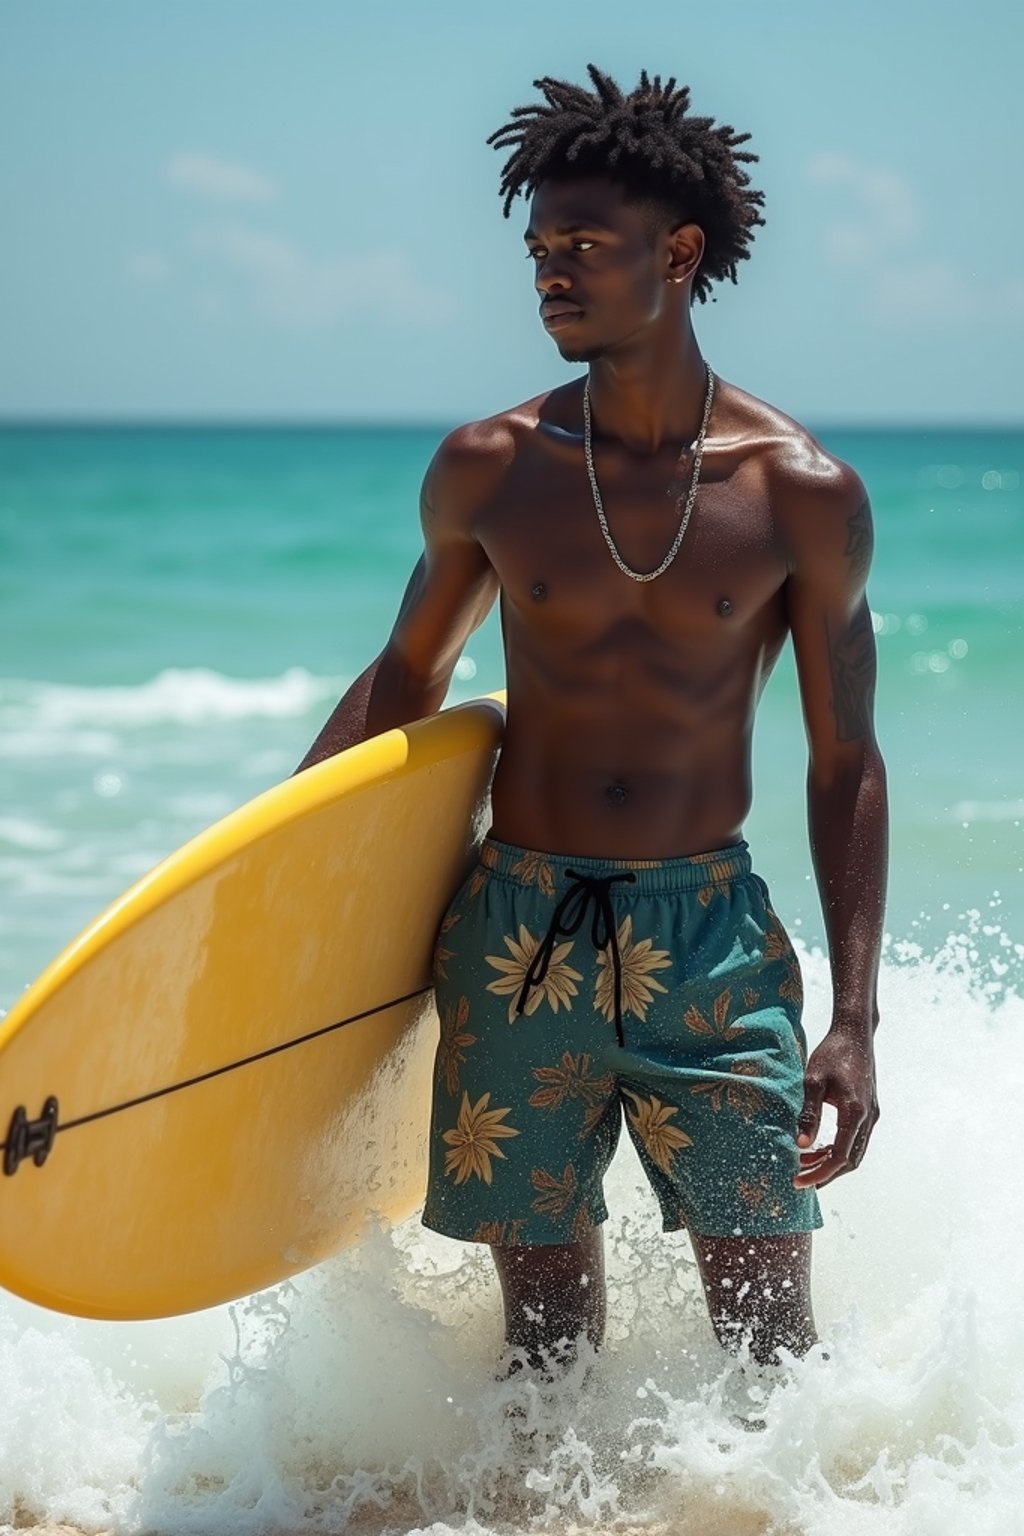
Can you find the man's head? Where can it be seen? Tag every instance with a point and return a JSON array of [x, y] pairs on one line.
[[635, 204]]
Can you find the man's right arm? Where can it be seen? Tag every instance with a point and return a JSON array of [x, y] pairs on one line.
[[449, 594]]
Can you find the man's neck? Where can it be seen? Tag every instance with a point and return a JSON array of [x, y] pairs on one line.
[[650, 397]]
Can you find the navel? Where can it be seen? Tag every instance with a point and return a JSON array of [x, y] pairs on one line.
[[538, 591], [724, 607], [617, 793]]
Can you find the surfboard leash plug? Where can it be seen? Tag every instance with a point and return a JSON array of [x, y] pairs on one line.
[[30, 1138]]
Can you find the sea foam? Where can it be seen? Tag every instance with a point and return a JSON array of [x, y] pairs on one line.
[[179, 696], [362, 1396]]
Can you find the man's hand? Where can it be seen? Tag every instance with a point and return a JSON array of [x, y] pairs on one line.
[[841, 1072]]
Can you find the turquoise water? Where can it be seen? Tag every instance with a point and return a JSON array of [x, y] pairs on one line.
[[180, 609]]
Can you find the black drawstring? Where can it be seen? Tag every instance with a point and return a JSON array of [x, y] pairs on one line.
[[566, 919]]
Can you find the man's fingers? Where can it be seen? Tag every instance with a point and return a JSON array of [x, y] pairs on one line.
[[810, 1115], [821, 1165], [850, 1122], [834, 1075]]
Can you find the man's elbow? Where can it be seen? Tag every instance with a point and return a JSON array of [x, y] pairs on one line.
[[844, 763]]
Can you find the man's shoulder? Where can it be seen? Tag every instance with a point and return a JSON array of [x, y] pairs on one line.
[[798, 465], [819, 502], [820, 505], [472, 459], [496, 439], [813, 493]]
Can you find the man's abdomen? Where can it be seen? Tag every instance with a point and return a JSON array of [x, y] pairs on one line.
[[615, 794]]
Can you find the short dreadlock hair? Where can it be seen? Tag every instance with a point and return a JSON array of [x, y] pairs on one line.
[[681, 166]]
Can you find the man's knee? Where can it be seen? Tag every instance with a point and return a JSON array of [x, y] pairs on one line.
[[758, 1290], [553, 1293]]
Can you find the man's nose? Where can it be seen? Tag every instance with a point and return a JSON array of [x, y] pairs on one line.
[[550, 278]]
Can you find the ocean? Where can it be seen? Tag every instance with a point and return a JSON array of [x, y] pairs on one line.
[[180, 609]]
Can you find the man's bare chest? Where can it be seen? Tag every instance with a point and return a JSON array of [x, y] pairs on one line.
[[543, 536]]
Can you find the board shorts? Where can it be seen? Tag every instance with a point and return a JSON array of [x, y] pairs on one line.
[[573, 991]]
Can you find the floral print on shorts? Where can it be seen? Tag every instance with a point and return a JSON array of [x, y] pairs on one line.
[[573, 992]]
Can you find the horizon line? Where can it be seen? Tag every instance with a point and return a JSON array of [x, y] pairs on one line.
[[415, 424]]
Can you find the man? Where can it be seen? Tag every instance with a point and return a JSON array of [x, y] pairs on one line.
[[614, 953]]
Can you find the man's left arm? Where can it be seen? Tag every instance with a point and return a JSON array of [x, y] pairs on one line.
[[826, 516]]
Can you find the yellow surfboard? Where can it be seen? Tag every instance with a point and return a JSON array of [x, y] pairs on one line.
[[229, 1070]]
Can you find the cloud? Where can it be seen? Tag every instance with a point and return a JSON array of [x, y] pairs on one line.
[[220, 180], [148, 266], [297, 290], [877, 245], [1013, 297], [924, 290], [889, 215], [282, 282]]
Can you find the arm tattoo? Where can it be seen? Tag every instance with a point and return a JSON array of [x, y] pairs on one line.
[[852, 664], [859, 540]]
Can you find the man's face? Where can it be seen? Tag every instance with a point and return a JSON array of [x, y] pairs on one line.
[[599, 273]]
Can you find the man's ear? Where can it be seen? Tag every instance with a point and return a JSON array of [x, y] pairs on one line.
[[686, 248]]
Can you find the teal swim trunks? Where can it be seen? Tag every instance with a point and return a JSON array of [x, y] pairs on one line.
[[571, 991]]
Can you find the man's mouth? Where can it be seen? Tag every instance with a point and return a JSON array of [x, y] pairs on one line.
[[556, 317]]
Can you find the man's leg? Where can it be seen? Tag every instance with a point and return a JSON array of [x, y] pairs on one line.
[[553, 1294], [760, 1286]]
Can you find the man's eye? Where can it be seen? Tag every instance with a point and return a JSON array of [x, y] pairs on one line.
[[578, 245]]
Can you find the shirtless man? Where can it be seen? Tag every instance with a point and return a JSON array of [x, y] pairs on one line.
[[613, 954]]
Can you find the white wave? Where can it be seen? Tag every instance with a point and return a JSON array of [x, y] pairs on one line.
[[988, 810], [34, 879], [29, 834], [18, 742], [176, 696], [363, 1397]]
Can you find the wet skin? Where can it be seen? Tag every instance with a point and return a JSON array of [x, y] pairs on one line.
[[631, 704]]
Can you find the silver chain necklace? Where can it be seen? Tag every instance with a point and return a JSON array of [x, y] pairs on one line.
[[588, 451]]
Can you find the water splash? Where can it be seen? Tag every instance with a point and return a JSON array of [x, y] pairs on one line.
[[363, 1397]]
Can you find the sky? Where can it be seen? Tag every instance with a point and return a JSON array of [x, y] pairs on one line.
[[219, 211]]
